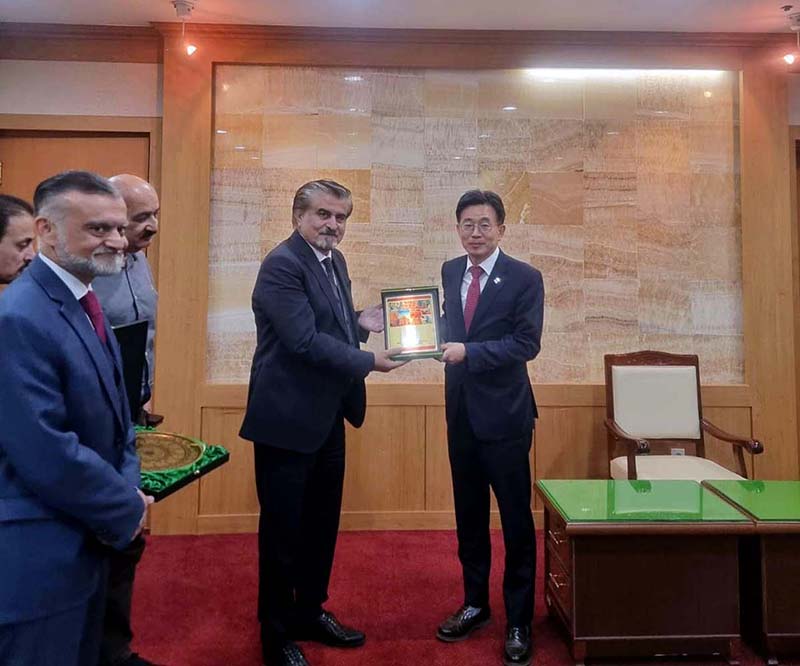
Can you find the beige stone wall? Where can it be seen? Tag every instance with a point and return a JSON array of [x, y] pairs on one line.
[[621, 186]]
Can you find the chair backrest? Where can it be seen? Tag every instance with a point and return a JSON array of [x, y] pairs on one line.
[[656, 396]]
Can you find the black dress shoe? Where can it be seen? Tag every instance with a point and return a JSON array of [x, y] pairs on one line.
[[326, 629], [287, 655], [517, 649], [462, 623]]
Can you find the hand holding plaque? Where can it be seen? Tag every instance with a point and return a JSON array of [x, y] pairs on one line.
[[411, 322]]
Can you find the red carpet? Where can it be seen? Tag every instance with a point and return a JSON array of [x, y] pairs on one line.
[[195, 603]]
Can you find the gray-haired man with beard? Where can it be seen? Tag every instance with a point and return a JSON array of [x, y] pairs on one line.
[[69, 474]]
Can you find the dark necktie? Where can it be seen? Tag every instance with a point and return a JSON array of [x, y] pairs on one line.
[[327, 264], [473, 294], [92, 307]]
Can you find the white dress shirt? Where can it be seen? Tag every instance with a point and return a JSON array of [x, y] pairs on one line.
[[487, 265]]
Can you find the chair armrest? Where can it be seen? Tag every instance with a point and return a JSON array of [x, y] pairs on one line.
[[641, 445], [750, 445]]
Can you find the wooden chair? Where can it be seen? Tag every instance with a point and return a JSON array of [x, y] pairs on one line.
[[653, 399]]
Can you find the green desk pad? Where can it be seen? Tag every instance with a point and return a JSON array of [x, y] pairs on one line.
[[764, 500], [611, 501], [164, 483]]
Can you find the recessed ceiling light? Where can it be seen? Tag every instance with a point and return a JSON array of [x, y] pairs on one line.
[[789, 58], [509, 108]]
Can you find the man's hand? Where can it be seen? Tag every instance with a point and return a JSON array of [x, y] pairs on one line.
[[385, 364], [371, 319], [454, 352], [147, 500]]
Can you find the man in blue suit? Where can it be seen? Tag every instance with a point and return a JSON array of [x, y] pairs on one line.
[[307, 377], [493, 310], [68, 466]]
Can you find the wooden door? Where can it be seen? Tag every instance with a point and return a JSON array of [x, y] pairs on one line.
[[28, 157]]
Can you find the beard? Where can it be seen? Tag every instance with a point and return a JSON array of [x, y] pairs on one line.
[[325, 242], [101, 262]]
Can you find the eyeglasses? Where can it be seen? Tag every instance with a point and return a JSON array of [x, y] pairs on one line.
[[484, 227]]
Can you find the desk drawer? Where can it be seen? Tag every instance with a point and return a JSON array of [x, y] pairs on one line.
[[559, 585], [556, 538]]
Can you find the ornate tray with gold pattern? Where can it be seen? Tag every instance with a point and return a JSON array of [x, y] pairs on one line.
[[171, 461], [161, 451]]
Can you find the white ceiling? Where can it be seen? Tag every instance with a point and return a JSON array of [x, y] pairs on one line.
[[629, 15]]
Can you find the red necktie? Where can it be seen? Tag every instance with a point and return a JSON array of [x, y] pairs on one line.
[[473, 294], [92, 307]]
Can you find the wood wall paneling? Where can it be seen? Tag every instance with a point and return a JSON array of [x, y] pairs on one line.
[[767, 270]]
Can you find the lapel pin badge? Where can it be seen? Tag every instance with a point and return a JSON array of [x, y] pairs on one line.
[[497, 280]]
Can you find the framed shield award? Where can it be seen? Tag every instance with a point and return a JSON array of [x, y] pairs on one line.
[[411, 322]]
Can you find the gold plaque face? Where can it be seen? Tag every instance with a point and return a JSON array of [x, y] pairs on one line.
[[160, 451]]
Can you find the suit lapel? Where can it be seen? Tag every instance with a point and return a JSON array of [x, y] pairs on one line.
[[496, 281], [341, 274], [306, 254], [76, 317], [456, 329]]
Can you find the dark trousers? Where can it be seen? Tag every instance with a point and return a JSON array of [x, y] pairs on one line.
[[70, 638], [117, 632], [503, 465], [301, 497]]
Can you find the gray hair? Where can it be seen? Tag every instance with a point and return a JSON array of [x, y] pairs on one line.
[[302, 198], [45, 198]]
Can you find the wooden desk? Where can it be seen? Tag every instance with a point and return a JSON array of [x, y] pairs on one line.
[[770, 563], [642, 568]]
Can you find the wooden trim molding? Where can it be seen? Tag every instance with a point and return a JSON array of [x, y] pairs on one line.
[[234, 396], [505, 37], [86, 43]]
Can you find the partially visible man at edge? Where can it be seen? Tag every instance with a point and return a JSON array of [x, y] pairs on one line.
[[126, 297], [16, 237], [69, 474]]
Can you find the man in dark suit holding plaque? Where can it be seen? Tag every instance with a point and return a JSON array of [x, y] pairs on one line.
[[493, 310], [307, 377]]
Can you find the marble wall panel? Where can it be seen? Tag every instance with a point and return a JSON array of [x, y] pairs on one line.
[[665, 306], [556, 198], [714, 199], [290, 90], [514, 188], [398, 142], [662, 95], [239, 90], [556, 145], [609, 146], [662, 146], [343, 91], [611, 243], [451, 94], [450, 144], [621, 187], [503, 144], [398, 93], [611, 98], [396, 195]]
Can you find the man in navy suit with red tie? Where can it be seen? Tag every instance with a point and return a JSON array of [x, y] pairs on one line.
[[493, 310], [69, 473]]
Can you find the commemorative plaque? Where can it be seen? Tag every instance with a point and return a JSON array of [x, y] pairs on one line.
[[411, 322]]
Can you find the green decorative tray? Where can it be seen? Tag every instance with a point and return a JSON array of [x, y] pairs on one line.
[[171, 461]]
